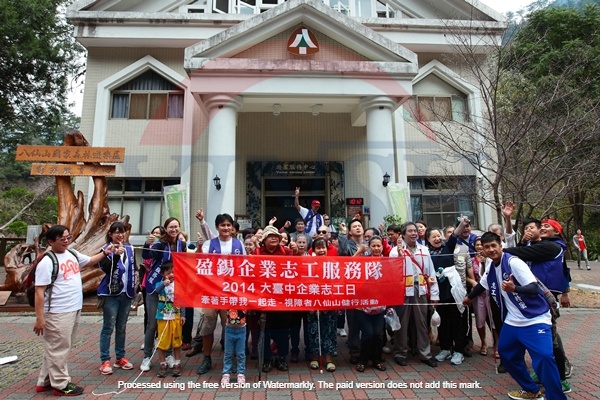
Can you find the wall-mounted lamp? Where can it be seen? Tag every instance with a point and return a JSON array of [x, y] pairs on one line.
[[276, 109], [386, 179], [217, 182], [316, 109]]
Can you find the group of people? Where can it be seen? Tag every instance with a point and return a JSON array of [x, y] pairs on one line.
[[448, 273]]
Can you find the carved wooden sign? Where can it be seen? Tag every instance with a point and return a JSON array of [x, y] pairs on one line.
[[72, 170], [71, 154]]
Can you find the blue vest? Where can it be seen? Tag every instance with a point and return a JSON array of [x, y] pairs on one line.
[[550, 272], [530, 306], [237, 247], [310, 218], [103, 289], [158, 257]]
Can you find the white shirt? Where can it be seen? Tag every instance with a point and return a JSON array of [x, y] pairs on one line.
[[522, 273], [67, 291], [226, 247], [425, 267]]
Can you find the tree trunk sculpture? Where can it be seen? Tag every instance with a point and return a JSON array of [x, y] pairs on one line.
[[90, 234]]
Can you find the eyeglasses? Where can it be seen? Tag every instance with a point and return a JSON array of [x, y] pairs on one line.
[[325, 219], [321, 232], [65, 238]]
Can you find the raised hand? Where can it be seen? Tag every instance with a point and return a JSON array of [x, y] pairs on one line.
[[508, 208], [200, 215], [272, 221]]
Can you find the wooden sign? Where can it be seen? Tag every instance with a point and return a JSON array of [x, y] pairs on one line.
[[70, 154], [72, 170]]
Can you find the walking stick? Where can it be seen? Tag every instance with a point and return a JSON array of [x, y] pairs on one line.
[[262, 322], [319, 335]]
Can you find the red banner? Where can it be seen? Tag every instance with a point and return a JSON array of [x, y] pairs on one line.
[[280, 283]]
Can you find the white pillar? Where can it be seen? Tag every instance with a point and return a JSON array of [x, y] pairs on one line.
[[222, 109], [380, 157]]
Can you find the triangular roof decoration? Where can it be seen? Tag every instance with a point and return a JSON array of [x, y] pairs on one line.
[[312, 13]]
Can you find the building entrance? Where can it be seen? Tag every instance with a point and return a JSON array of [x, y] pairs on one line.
[[279, 197], [270, 189]]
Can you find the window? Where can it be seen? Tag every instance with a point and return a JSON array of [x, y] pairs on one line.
[[149, 96], [438, 108], [439, 201], [141, 199]]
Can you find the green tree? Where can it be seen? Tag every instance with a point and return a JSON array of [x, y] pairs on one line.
[[38, 56], [536, 141], [557, 50]]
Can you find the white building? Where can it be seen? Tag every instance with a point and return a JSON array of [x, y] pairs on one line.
[[195, 89]]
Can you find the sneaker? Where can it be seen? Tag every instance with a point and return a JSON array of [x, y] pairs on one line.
[[44, 388], [457, 358], [177, 369], [523, 395], [443, 355], [401, 361], [568, 369], [343, 332], [241, 379], [146, 364], [566, 386], [267, 366], [386, 350], [105, 368], [501, 369], [70, 390], [170, 361], [123, 363], [281, 365], [225, 379], [205, 366], [162, 371]]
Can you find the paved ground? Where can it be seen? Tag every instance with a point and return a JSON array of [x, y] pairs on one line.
[[579, 329]]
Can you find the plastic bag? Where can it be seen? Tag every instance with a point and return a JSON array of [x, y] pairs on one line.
[[436, 321], [392, 320]]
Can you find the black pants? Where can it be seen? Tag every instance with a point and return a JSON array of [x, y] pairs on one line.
[[371, 330], [452, 330]]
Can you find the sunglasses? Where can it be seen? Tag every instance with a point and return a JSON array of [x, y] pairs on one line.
[[321, 232]]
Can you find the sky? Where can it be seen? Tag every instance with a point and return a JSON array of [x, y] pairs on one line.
[[503, 6]]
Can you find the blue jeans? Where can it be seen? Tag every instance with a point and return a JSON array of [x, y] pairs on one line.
[[235, 342], [115, 313]]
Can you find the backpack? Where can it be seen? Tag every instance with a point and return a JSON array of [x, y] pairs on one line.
[[30, 281]]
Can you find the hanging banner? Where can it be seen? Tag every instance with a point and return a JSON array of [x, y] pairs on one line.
[[399, 195], [178, 205], [276, 283]]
